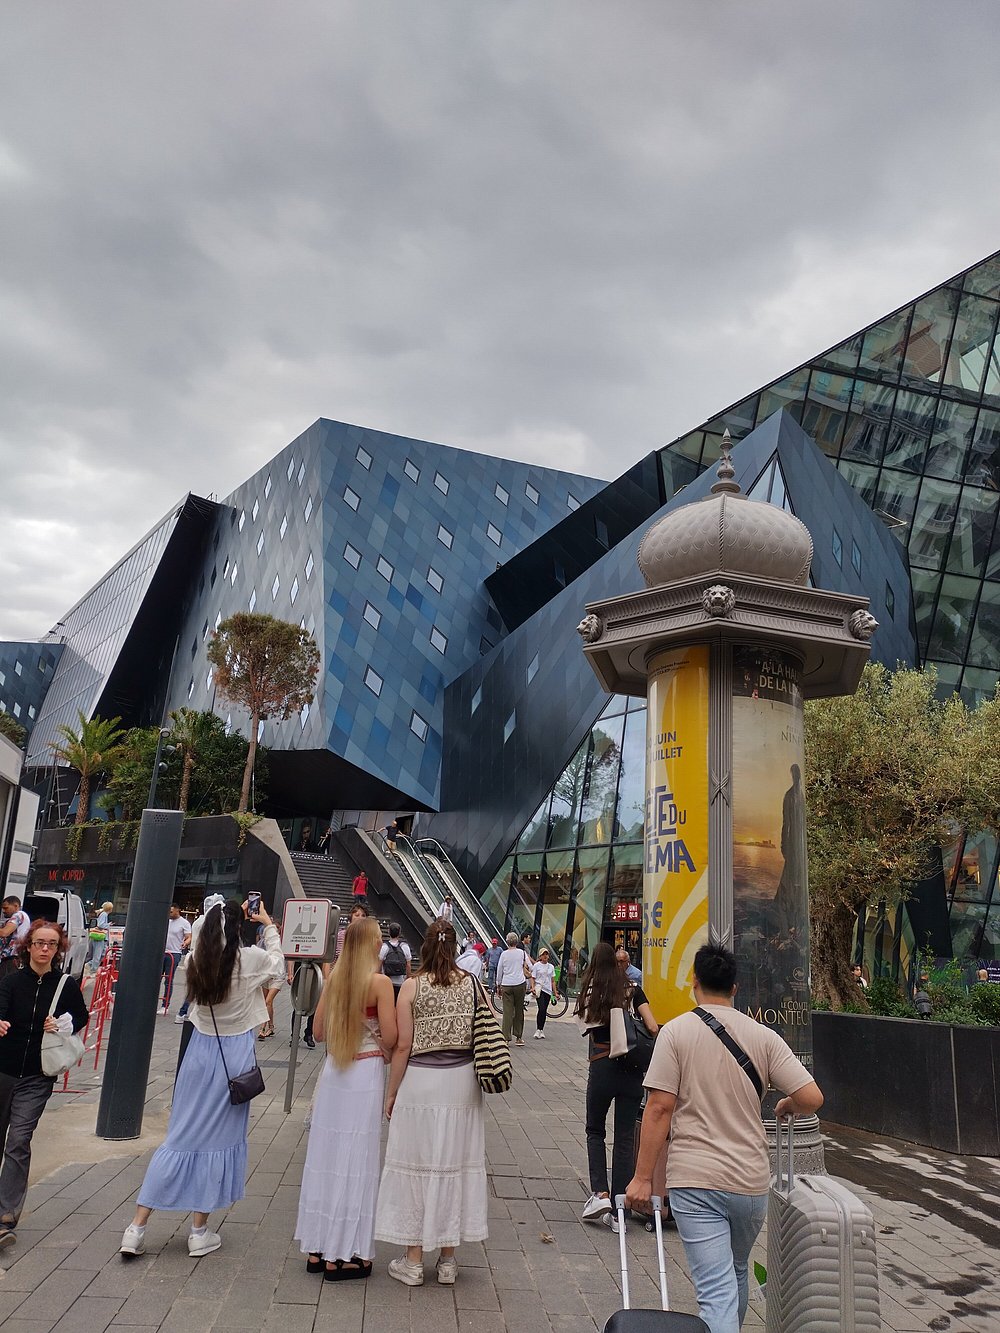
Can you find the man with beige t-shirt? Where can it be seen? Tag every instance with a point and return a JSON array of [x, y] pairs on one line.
[[718, 1172]]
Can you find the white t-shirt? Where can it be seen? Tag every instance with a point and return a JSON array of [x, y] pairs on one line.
[[177, 933], [544, 976], [470, 961], [510, 968], [407, 954]]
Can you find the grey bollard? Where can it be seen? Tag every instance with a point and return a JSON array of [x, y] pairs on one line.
[[126, 1069]]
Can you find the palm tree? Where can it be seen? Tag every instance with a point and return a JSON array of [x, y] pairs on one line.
[[90, 750], [190, 732]]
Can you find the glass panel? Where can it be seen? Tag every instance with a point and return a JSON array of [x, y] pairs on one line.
[[863, 478], [971, 343], [932, 525], [882, 349], [788, 393], [567, 798], [984, 646], [972, 537], [974, 871], [984, 280], [615, 705], [556, 888], [927, 344], [536, 830], [971, 937], [983, 464], [677, 471], [826, 408], [689, 446], [952, 619], [947, 679], [498, 891], [844, 357], [924, 583], [524, 893], [912, 421], [897, 497], [737, 420], [978, 686], [600, 780], [761, 489], [588, 906], [949, 443], [868, 424], [632, 783], [625, 882]]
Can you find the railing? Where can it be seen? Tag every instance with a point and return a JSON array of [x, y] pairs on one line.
[[434, 855], [409, 864]]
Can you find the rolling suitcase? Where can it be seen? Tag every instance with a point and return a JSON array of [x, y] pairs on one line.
[[822, 1273], [666, 1320]]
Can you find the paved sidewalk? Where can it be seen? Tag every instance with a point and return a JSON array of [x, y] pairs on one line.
[[541, 1270]]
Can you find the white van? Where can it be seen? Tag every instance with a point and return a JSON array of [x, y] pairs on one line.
[[66, 909]]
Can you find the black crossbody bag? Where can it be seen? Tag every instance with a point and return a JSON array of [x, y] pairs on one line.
[[734, 1049], [244, 1087]]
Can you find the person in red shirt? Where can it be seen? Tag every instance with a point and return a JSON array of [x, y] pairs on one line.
[[360, 886]]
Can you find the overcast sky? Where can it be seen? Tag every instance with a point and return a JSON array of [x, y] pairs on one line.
[[562, 232]]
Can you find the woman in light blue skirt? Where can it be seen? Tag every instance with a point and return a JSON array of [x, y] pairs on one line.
[[202, 1164]]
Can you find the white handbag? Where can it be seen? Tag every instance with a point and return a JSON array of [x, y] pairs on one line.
[[60, 1051]]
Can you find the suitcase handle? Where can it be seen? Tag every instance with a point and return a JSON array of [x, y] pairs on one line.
[[657, 1205], [790, 1122]]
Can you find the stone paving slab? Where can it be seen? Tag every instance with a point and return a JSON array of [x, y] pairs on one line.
[[541, 1271]]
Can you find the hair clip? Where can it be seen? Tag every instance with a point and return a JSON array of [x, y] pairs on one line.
[[440, 936]]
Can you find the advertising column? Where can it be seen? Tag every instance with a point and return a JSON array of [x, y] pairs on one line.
[[770, 879], [675, 869]]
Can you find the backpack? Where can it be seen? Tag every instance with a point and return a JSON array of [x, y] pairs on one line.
[[394, 962]]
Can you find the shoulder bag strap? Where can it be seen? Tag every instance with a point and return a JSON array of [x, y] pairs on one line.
[[734, 1049], [219, 1040], [55, 999]]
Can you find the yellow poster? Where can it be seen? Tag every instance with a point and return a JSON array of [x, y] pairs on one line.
[[675, 870]]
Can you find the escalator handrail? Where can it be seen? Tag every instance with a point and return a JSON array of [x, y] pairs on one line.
[[462, 890], [461, 916], [421, 888]]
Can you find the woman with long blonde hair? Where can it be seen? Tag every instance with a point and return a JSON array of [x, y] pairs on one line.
[[357, 1017]]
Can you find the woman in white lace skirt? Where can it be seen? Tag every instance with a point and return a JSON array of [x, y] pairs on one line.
[[357, 1017], [433, 1190]]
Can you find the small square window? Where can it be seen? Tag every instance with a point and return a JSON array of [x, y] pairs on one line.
[[890, 602], [352, 556], [351, 498], [260, 731], [310, 566], [364, 458], [485, 644], [31, 710], [215, 575], [232, 576], [508, 726], [204, 631], [284, 526], [494, 533], [838, 548], [441, 483], [373, 616], [559, 573], [572, 501], [218, 619], [439, 641], [260, 543], [243, 519], [530, 492], [418, 726], [477, 699], [855, 556], [255, 510], [302, 473], [310, 625], [293, 591], [17, 669], [374, 681], [307, 512], [291, 469], [532, 668], [267, 486], [303, 717], [17, 710], [225, 569], [208, 679], [274, 587], [229, 723], [502, 495], [444, 536], [253, 601], [412, 471], [191, 687], [435, 579], [601, 532]]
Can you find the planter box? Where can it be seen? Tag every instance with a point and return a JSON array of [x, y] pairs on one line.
[[910, 1079]]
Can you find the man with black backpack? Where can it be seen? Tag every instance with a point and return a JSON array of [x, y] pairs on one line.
[[395, 957]]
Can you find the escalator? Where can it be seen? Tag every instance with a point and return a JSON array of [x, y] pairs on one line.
[[468, 910]]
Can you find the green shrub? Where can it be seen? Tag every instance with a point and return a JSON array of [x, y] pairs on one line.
[[984, 1002], [885, 998], [961, 1014]]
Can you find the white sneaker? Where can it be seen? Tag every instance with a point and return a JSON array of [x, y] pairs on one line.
[[134, 1240], [539, 1036], [447, 1271], [595, 1208], [161, 1012], [610, 1220], [180, 1018], [411, 1275], [203, 1244]]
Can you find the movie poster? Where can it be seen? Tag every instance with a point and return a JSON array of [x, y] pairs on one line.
[[770, 876], [675, 871]]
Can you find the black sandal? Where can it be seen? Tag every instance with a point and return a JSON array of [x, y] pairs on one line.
[[345, 1272], [315, 1264]]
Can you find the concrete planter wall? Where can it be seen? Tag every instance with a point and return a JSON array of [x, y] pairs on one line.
[[925, 1082]]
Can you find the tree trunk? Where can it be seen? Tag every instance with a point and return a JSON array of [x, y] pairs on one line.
[[182, 803], [83, 800], [248, 768], [832, 931]]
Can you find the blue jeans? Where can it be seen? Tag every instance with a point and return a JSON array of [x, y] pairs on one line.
[[718, 1230]]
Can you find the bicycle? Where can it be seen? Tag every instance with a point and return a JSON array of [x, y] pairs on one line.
[[557, 1007]]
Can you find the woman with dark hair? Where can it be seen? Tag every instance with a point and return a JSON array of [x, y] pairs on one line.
[[356, 1016], [433, 1190], [202, 1164], [604, 987], [26, 998]]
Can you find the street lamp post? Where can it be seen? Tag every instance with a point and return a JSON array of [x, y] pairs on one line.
[[157, 765]]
